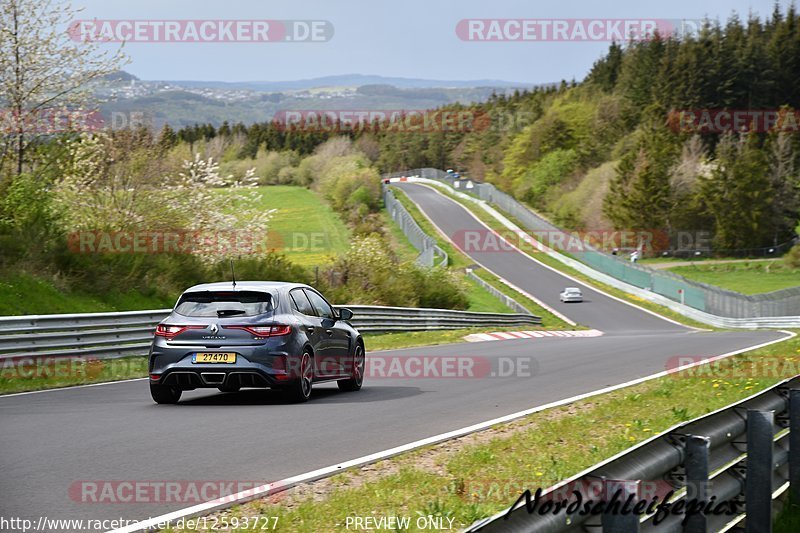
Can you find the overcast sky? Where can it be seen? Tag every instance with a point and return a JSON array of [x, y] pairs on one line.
[[406, 38]]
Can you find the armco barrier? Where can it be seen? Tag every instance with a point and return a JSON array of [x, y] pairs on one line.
[[748, 453], [109, 335], [702, 297], [424, 243]]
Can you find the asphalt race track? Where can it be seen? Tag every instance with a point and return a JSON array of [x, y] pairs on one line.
[[598, 311], [52, 440]]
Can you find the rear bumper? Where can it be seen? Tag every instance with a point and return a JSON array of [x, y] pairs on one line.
[[253, 368], [187, 379]]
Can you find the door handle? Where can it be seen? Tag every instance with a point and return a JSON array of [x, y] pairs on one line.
[[329, 331], [310, 329]]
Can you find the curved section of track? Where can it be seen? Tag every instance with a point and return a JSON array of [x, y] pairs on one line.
[[54, 440], [597, 311]]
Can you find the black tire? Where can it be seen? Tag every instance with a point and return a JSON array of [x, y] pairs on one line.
[[229, 388], [357, 376], [300, 390], [165, 394]]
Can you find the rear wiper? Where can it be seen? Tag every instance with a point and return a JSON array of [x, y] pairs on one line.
[[229, 312]]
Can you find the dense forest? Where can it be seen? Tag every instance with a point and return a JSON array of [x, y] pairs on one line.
[[606, 151]]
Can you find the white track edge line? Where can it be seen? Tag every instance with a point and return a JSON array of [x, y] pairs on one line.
[[313, 475], [84, 385]]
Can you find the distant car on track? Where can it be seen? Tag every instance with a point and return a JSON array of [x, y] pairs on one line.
[[571, 294], [254, 334]]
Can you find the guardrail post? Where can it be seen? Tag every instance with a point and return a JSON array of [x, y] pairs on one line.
[[794, 445], [616, 522], [758, 483], [697, 448]]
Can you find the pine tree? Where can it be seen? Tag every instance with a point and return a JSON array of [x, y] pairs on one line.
[[167, 138], [738, 194], [639, 196]]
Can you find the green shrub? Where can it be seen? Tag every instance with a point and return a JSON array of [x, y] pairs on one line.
[[792, 257], [370, 274], [268, 267]]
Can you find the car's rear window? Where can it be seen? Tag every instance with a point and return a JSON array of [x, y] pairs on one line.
[[221, 304]]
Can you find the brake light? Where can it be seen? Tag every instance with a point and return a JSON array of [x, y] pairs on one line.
[[264, 331], [277, 331], [170, 332]]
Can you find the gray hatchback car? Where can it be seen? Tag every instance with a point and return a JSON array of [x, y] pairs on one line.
[[254, 334]]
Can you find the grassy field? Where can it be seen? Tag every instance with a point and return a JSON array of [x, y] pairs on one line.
[[751, 277], [480, 474], [304, 227]]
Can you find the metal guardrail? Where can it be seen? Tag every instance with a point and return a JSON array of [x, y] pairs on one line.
[[424, 243], [748, 453], [700, 296], [109, 335]]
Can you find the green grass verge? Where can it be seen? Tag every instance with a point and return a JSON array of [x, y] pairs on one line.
[[53, 373], [64, 372], [788, 520], [455, 257], [494, 224], [25, 294], [480, 474], [482, 300], [398, 242], [479, 298], [751, 277]]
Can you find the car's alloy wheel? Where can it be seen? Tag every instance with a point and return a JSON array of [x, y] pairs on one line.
[[165, 393], [357, 376], [300, 390]]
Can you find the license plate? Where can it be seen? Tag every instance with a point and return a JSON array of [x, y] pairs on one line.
[[214, 357]]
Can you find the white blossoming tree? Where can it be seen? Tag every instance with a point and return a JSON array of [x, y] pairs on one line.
[[218, 216], [43, 69]]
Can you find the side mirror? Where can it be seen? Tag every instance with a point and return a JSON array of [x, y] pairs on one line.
[[345, 313]]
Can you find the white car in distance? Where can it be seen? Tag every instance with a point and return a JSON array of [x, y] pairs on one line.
[[571, 294]]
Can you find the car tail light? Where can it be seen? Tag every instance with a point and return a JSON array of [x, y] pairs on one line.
[[264, 331], [170, 331], [155, 377]]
